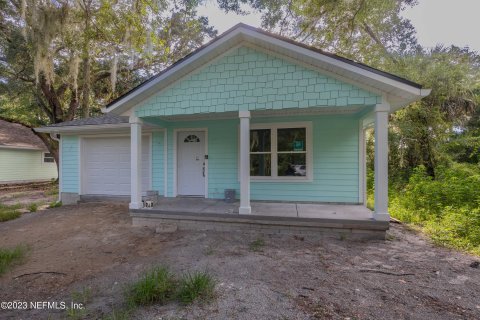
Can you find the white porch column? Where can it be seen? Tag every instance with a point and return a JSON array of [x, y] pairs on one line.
[[135, 162], [381, 162], [244, 162]]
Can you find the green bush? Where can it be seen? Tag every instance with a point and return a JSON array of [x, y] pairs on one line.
[[156, 286], [9, 257], [9, 212], [448, 207], [32, 207], [199, 285], [55, 204]]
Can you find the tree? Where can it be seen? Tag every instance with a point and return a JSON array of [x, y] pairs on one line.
[[65, 59]]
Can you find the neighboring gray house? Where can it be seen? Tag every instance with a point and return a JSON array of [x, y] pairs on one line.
[[23, 155]]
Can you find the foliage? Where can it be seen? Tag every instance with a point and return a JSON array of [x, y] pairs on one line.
[[10, 257], [9, 212], [55, 204], [156, 286], [64, 60], [194, 286], [32, 207], [447, 206], [257, 245]]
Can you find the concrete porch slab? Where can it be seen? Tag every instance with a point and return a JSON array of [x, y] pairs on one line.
[[274, 209], [345, 221]]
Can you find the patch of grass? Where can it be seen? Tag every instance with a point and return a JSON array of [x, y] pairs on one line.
[[10, 257], [257, 245], [9, 212], [32, 207], [156, 286], [194, 286], [52, 191], [83, 297], [55, 204]]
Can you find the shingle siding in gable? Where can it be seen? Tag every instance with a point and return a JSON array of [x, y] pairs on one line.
[[246, 79]]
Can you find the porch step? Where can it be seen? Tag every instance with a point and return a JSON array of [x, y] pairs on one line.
[[339, 228]]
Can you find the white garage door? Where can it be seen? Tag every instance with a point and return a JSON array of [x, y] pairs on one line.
[[106, 165]]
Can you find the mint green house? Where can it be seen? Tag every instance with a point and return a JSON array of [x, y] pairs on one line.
[[272, 119]]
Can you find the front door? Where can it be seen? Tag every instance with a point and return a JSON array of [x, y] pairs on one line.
[[191, 163]]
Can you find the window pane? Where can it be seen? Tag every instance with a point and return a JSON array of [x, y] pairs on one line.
[[260, 165], [260, 140], [292, 164], [291, 139]]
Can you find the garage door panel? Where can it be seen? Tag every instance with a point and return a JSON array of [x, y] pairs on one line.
[[106, 165]]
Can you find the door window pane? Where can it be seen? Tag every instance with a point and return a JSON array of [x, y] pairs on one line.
[[292, 164], [260, 165], [291, 139], [260, 140]]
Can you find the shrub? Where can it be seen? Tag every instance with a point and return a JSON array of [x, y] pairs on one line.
[[55, 204], [32, 207], [448, 207], [199, 285], [9, 257], [156, 286], [9, 212]]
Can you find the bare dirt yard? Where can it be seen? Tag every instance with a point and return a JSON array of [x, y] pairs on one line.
[[90, 253], [24, 195]]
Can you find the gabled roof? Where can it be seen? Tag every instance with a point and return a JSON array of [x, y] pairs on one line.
[[398, 91], [17, 136]]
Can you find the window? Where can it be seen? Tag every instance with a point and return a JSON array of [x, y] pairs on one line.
[[48, 158], [280, 151], [191, 138]]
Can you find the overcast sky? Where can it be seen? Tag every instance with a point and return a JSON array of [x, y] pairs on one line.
[[437, 21]]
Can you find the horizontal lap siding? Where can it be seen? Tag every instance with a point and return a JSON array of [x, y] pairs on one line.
[[223, 157], [70, 164], [335, 164], [335, 161], [25, 165]]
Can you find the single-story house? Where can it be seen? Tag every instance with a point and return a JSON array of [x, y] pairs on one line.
[[250, 111], [23, 155]]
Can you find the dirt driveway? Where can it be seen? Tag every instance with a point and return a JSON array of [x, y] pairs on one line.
[[92, 248]]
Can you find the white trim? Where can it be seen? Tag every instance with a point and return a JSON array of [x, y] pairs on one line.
[[80, 164], [240, 35], [381, 165], [361, 164], [165, 163], [60, 168], [81, 151], [175, 141], [83, 128], [274, 154]]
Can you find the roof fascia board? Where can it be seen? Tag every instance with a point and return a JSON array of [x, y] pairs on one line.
[[89, 127]]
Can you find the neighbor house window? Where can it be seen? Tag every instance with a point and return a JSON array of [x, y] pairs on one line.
[[48, 157], [280, 151]]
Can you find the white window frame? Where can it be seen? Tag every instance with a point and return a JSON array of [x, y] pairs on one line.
[[274, 153]]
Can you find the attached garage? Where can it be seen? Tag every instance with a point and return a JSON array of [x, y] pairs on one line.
[[105, 168]]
